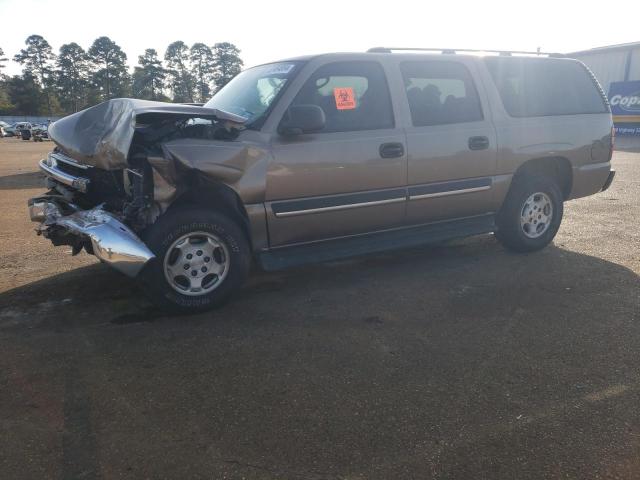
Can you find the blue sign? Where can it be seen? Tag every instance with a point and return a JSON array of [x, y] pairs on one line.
[[624, 98]]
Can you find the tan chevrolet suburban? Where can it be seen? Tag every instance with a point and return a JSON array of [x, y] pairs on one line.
[[323, 157]]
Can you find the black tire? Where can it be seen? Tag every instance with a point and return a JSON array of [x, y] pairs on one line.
[[510, 232], [170, 227]]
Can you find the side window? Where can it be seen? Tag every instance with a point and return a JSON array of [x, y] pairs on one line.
[[353, 95], [537, 87], [440, 93]]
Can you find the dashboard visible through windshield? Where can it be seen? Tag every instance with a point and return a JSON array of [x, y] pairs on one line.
[[252, 92]]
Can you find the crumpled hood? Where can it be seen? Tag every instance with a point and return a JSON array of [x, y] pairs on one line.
[[101, 135]]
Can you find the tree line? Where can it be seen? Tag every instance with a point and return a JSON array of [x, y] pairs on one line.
[[74, 78]]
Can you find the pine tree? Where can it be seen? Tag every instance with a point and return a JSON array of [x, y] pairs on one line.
[[111, 76], [179, 72], [38, 59], [149, 76], [72, 76], [203, 70], [227, 63]]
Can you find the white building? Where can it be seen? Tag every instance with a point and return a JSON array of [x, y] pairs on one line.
[[615, 63]]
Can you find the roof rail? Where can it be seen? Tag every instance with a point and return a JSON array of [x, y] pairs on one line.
[[453, 51]]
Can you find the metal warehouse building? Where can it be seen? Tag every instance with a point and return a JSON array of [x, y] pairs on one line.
[[616, 63], [617, 68]]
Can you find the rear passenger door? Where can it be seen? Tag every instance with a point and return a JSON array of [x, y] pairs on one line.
[[349, 178], [451, 141]]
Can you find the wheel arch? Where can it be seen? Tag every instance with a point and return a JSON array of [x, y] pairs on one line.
[[557, 167], [216, 196]]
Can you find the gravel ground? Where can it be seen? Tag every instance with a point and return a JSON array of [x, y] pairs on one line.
[[461, 361]]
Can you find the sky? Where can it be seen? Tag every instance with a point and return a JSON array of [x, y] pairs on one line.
[[272, 29]]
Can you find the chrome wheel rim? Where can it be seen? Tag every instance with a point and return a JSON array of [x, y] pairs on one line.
[[196, 263], [536, 215]]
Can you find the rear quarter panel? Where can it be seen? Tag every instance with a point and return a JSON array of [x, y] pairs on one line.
[[582, 139]]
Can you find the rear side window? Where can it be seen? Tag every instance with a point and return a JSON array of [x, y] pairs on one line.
[[539, 87], [353, 95], [440, 93]]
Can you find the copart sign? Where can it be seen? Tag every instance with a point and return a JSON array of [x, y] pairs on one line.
[[624, 98]]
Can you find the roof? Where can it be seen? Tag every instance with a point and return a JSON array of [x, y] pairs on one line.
[[412, 54], [619, 46]]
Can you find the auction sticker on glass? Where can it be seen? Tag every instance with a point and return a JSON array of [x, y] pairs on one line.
[[345, 98]]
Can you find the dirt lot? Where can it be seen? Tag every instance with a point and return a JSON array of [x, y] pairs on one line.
[[461, 361]]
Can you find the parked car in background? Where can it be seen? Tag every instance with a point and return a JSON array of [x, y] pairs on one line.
[[10, 131], [23, 130], [40, 133], [3, 126], [322, 157], [26, 133]]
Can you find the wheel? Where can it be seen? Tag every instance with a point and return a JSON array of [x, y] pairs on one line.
[[531, 214], [202, 257]]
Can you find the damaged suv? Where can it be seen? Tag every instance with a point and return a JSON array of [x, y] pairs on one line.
[[323, 157]]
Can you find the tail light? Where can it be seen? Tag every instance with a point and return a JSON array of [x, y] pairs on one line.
[[612, 142]]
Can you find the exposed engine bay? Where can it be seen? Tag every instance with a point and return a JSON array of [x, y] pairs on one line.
[[122, 163], [142, 190]]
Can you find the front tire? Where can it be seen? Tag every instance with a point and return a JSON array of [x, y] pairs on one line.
[[531, 214], [202, 257]]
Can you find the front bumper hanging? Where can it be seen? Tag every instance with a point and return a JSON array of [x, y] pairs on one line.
[[111, 241]]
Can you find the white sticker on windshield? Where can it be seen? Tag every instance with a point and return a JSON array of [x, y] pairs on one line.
[[280, 68]]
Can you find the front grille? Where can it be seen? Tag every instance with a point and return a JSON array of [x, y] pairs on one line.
[[71, 170], [69, 165], [102, 185]]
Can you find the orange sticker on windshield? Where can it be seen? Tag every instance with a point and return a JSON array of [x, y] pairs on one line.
[[345, 98]]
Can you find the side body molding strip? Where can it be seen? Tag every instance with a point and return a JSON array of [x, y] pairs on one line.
[[289, 208], [443, 189]]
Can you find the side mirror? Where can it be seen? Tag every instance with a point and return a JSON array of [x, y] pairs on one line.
[[301, 119]]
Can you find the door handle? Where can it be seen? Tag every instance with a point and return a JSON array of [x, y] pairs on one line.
[[391, 150], [478, 143]]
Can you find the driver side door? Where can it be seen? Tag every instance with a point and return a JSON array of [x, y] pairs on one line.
[[350, 177]]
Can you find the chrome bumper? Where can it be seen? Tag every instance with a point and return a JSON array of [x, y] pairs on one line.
[[50, 168], [112, 241]]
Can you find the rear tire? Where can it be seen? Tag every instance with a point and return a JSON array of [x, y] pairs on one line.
[[202, 257], [531, 214]]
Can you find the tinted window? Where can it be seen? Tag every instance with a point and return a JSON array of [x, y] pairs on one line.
[[353, 95], [532, 87], [440, 93]]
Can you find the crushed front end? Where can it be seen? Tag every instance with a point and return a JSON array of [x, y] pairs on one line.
[[84, 210], [111, 175]]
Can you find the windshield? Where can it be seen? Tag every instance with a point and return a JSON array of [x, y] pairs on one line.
[[251, 93]]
